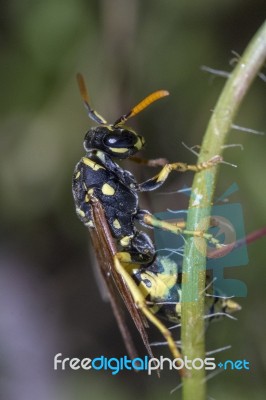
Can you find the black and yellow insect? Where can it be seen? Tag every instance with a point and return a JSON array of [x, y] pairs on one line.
[[106, 200]]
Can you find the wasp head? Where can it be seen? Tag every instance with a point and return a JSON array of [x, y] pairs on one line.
[[117, 141]]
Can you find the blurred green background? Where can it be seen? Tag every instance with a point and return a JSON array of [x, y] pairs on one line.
[[49, 299]]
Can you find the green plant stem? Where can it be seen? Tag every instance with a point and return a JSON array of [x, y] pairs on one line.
[[193, 330]]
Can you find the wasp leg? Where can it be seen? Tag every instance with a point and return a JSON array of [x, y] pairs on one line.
[[142, 214], [161, 177], [141, 304], [148, 219]]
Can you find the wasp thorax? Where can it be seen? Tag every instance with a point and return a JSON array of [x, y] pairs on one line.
[[118, 141]]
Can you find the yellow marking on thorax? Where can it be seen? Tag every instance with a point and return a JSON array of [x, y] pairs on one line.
[[108, 190], [125, 241], [116, 224], [92, 164], [80, 212], [89, 224], [100, 155], [88, 195]]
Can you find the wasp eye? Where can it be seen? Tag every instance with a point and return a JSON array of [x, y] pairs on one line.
[[120, 139]]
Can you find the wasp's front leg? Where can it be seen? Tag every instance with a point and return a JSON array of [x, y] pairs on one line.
[[161, 177]]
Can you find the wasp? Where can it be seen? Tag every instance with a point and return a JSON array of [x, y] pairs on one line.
[[106, 198]]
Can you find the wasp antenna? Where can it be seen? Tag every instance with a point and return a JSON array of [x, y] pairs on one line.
[[142, 105], [83, 89], [85, 97]]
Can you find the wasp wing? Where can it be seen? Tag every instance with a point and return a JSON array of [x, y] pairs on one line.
[[105, 250]]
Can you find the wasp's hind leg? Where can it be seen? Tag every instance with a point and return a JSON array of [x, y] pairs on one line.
[[141, 304]]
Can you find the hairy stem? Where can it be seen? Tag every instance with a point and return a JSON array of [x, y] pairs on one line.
[[193, 335]]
